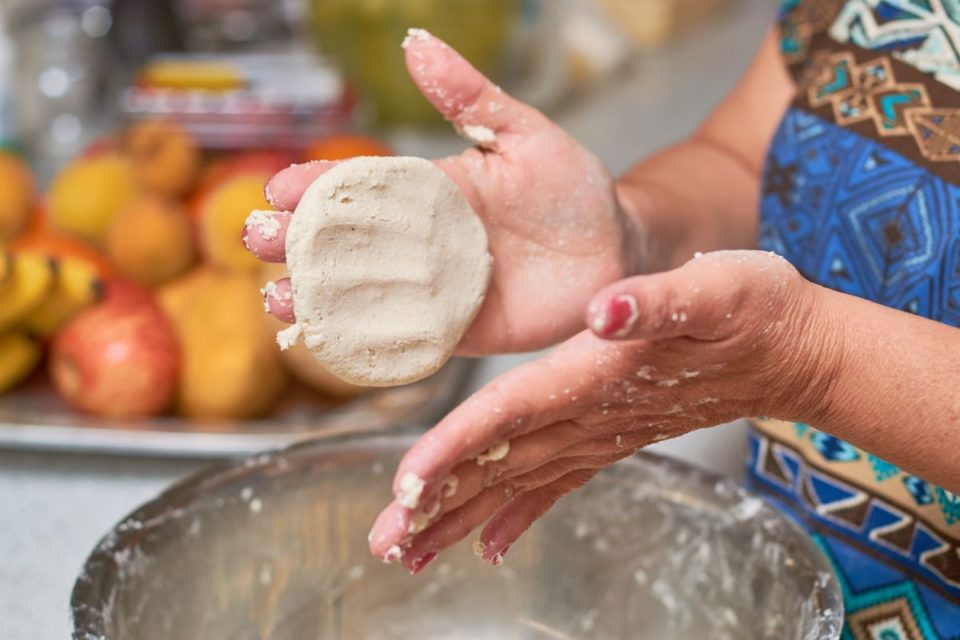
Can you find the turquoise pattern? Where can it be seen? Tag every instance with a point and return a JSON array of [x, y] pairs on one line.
[[882, 470], [834, 449], [949, 504], [854, 602], [922, 33], [882, 590], [919, 489]]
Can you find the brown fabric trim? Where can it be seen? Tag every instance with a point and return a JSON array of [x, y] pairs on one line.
[[802, 25], [945, 562], [948, 532], [926, 124], [852, 541]]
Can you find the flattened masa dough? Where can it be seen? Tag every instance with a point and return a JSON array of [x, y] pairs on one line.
[[389, 265]]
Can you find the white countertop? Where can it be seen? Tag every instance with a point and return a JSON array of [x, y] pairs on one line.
[[54, 507]]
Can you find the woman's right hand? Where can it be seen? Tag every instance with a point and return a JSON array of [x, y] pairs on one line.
[[556, 230]]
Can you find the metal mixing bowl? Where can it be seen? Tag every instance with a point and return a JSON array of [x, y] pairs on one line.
[[274, 548]]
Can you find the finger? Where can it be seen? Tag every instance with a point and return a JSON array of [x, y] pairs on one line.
[[455, 526], [459, 523], [467, 481], [543, 446], [389, 531], [553, 450], [513, 520], [278, 299], [536, 394], [464, 96], [284, 190], [696, 300], [265, 235], [525, 454], [558, 387]]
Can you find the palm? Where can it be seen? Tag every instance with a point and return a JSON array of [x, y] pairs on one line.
[[555, 232]]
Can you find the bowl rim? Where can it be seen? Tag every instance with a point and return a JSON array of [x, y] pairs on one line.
[[92, 594]]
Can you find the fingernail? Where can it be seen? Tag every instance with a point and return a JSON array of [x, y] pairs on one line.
[[618, 319], [268, 196], [266, 292], [414, 34], [267, 225], [392, 555], [497, 559], [421, 563], [479, 548]]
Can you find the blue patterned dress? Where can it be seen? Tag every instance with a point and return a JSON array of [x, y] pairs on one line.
[[861, 192]]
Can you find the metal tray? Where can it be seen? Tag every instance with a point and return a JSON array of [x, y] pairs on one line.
[[34, 417]]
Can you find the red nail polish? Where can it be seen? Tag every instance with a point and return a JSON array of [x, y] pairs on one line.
[[421, 563], [618, 318]]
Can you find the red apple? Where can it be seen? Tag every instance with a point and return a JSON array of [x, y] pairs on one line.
[[119, 292], [119, 358]]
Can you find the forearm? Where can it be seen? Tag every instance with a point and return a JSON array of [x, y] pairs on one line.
[[701, 194], [892, 388], [694, 196]]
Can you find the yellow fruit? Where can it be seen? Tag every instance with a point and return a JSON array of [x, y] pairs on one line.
[[78, 285], [176, 297], [303, 366], [6, 268], [29, 285], [19, 355], [230, 363], [151, 241], [222, 217], [87, 195], [165, 158], [17, 193]]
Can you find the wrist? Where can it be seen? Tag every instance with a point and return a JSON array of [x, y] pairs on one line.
[[809, 358], [637, 210]]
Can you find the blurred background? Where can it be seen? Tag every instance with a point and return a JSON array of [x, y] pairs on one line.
[[135, 137]]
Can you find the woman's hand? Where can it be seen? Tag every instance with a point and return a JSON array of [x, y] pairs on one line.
[[727, 335], [555, 228]]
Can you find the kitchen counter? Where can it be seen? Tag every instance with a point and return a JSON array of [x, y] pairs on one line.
[[54, 507]]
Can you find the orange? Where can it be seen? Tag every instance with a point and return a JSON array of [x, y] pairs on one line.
[[165, 157], [151, 241], [17, 194], [221, 218], [341, 147]]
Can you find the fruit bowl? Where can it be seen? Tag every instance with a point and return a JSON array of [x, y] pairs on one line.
[[35, 417], [274, 546]]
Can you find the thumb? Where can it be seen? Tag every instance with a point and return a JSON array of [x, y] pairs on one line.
[[698, 300], [477, 108]]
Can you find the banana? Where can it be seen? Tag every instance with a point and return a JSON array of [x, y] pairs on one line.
[[78, 285], [19, 355], [29, 285]]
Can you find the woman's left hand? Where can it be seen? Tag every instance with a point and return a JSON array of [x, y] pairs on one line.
[[728, 335]]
